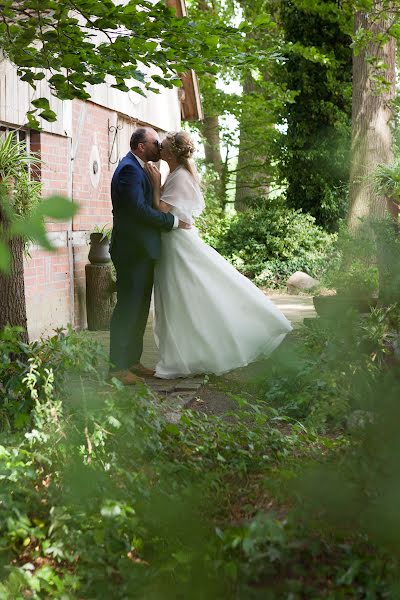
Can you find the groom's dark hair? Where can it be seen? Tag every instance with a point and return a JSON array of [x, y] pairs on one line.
[[138, 137]]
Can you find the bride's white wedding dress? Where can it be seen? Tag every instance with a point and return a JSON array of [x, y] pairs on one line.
[[209, 318]]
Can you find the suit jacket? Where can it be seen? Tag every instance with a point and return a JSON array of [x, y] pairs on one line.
[[136, 225]]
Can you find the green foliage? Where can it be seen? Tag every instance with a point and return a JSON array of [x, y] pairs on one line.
[[354, 273], [100, 489], [333, 366], [270, 242], [212, 223], [22, 193], [287, 558], [73, 44], [387, 181], [314, 159], [253, 102], [30, 373], [367, 265], [14, 157], [101, 498], [241, 440]]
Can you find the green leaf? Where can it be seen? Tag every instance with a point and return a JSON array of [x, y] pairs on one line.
[[111, 510], [262, 19], [173, 430], [57, 207], [33, 123], [212, 41], [151, 46], [41, 103], [33, 229], [48, 115]]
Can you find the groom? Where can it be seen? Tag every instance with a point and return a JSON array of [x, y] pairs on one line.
[[135, 246]]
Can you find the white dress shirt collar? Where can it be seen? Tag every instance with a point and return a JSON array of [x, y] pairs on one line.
[[140, 161]]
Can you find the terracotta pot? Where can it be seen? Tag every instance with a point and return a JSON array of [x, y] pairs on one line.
[[99, 249]]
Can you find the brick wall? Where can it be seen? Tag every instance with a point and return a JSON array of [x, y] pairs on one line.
[[90, 142], [48, 275], [47, 289]]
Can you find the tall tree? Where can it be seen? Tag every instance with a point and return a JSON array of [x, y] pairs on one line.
[[12, 285], [256, 122], [316, 146], [374, 89], [247, 169], [253, 171], [210, 128]]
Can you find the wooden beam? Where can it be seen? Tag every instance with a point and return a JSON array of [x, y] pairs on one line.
[[191, 108], [179, 6]]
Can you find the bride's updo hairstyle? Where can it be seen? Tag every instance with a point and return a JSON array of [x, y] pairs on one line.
[[182, 147]]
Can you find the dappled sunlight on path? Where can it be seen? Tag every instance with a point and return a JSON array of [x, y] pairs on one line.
[[295, 308]]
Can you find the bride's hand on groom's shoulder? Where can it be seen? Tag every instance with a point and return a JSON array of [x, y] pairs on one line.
[[153, 173]]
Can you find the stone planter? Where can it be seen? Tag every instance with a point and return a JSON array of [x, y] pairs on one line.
[[99, 249], [333, 307], [100, 287]]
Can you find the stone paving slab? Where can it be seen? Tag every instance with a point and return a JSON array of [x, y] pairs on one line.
[[295, 308]]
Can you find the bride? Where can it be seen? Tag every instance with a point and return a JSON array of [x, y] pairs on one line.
[[209, 318]]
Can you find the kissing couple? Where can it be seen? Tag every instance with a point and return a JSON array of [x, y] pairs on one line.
[[209, 318]]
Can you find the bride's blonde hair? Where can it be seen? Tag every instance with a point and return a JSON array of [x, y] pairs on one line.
[[183, 148]]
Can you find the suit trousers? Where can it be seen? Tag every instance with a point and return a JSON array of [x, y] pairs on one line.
[[128, 321]]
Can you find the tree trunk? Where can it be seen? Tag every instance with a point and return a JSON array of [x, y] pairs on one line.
[[210, 131], [210, 127], [212, 148], [371, 114], [251, 176], [12, 290]]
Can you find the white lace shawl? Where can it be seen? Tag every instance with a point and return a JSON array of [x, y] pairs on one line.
[[183, 192]]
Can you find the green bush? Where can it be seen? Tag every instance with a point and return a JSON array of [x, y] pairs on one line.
[[354, 273], [332, 366], [31, 373], [269, 242], [101, 498]]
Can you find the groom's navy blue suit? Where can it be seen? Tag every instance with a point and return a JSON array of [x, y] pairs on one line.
[[135, 246]]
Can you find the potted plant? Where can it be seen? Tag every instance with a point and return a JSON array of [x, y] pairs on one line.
[[99, 253]]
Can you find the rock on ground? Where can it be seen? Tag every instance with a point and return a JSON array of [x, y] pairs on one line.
[[300, 281]]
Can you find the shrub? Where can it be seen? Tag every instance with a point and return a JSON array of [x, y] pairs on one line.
[[333, 367], [269, 242], [36, 372]]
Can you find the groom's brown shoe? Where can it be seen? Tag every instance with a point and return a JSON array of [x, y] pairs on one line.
[[141, 371], [125, 376]]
